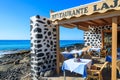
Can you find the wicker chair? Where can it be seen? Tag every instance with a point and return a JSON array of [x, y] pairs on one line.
[[95, 72], [86, 56], [61, 58], [118, 65], [103, 52]]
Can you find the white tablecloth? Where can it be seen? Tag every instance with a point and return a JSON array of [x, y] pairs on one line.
[[95, 49], [77, 67], [76, 51], [69, 55]]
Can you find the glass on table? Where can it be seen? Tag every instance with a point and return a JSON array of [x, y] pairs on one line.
[[66, 49]]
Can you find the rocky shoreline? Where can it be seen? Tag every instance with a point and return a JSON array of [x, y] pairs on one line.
[[71, 47], [15, 66]]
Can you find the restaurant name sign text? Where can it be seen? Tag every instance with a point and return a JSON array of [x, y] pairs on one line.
[[87, 9]]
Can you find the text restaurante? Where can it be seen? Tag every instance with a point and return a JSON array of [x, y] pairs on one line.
[[83, 10]]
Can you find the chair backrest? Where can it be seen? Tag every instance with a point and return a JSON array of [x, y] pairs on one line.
[[96, 72], [103, 66], [86, 56], [84, 49], [118, 65], [61, 58], [93, 67], [104, 52], [88, 47]]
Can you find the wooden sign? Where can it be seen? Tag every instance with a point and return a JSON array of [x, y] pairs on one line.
[[99, 7]]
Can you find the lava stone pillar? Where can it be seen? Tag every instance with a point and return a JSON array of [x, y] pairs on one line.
[[43, 46]]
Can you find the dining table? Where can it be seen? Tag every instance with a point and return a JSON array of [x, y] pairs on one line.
[[77, 67], [67, 55], [76, 51], [95, 49], [70, 54]]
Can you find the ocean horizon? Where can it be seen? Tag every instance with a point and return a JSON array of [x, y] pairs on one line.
[[12, 46]]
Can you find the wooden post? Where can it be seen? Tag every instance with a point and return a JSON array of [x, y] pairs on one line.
[[58, 51], [114, 47], [102, 46]]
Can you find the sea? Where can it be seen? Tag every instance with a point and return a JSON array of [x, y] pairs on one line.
[[13, 46], [65, 43]]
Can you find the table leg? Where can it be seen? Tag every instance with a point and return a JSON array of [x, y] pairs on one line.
[[64, 75]]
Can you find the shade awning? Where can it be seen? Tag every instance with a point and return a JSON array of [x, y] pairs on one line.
[[94, 14]]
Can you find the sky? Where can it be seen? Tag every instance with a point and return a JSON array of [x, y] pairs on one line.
[[15, 17]]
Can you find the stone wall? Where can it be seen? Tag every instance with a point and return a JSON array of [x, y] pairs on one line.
[[43, 46], [93, 37]]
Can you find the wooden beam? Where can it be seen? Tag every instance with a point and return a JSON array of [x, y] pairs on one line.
[[58, 51], [104, 21], [67, 26], [83, 28], [102, 39], [89, 23], [83, 23], [110, 31], [119, 20], [114, 47], [72, 24], [94, 22], [90, 17]]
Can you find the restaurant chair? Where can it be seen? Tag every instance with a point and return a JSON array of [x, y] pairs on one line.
[[62, 58], [103, 53], [118, 66], [88, 47], [84, 49], [86, 55], [95, 72]]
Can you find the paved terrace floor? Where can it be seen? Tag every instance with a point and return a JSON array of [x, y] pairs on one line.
[[106, 73]]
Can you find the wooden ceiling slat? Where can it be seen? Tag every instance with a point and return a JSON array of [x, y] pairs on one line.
[[94, 22], [72, 24], [109, 20], [67, 26], [81, 23], [91, 17], [118, 20], [104, 21], [83, 28], [84, 24], [90, 23]]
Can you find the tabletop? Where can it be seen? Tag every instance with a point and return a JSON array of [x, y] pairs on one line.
[[96, 49], [69, 55], [77, 67], [76, 51]]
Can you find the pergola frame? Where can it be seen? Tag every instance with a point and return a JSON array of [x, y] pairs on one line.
[[114, 46], [109, 17]]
